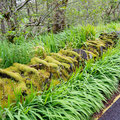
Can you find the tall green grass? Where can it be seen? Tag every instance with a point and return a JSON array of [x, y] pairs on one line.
[[11, 53], [21, 50], [77, 99], [73, 37]]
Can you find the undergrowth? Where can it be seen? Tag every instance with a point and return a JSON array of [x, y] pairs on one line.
[[74, 37], [77, 99]]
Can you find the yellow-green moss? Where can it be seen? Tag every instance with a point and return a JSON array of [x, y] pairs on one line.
[[21, 87], [72, 59], [8, 74], [61, 58], [69, 53], [53, 65], [44, 75], [89, 52], [39, 52], [8, 90], [65, 73], [25, 68], [36, 60], [96, 43], [55, 82], [67, 66], [0, 60], [108, 41], [12, 68], [1, 88], [50, 59]]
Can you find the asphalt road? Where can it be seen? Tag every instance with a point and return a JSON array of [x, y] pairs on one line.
[[113, 113]]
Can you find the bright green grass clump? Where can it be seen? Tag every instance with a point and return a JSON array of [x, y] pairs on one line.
[[77, 99]]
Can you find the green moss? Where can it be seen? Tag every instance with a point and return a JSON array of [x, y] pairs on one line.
[[89, 52], [69, 53], [36, 60], [39, 52], [12, 68], [73, 60], [67, 66], [25, 68], [65, 74], [50, 59], [53, 65], [55, 82], [61, 58], [21, 87], [12, 75], [0, 60]]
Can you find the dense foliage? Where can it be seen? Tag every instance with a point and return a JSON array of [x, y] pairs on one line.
[[33, 17], [79, 98], [35, 28], [23, 50]]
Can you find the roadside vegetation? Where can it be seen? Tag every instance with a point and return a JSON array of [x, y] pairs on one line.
[[59, 59], [79, 98], [23, 50]]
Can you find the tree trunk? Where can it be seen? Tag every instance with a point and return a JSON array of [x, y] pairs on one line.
[[2, 20], [59, 16], [3, 26]]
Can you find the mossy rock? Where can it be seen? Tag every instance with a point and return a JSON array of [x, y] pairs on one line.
[[26, 69], [55, 82], [10, 89], [61, 58], [112, 36], [69, 53], [65, 76], [82, 53], [50, 59], [14, 76], [65, 65], [39, 51], [90, 54], [36, 60]]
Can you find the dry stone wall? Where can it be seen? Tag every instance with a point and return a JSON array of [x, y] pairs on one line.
[[53, 69]]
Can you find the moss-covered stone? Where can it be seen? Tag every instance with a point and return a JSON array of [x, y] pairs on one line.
[[69, 53], [61, 58], [39, 51], [90, 54], [65, 65], [10, 88], [65, 74], [50, 59], [7, 74], [26, 69], [36, 60], [49, 70], [55, 82]]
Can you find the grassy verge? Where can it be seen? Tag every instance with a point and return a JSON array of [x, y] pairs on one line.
[[22, 50], [77, 99]]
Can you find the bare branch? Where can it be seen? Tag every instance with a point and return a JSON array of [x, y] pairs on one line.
[[21, 6], [40, 20]]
